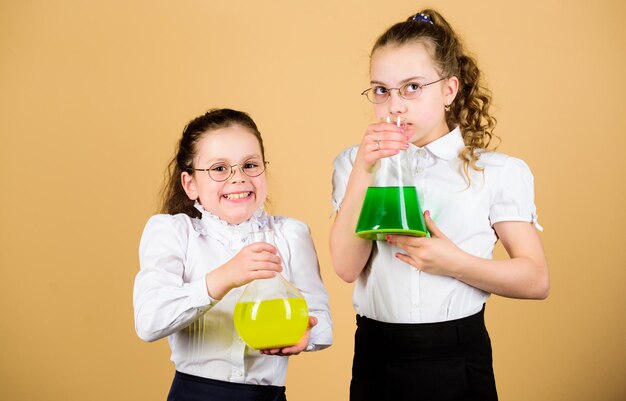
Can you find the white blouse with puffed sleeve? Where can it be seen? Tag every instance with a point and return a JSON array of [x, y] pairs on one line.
[[390, 290], [171, 299]]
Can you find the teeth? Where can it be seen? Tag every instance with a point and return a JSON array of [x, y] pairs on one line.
[[237, 196]]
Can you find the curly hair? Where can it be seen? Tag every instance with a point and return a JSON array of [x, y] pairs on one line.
[[470, 109]]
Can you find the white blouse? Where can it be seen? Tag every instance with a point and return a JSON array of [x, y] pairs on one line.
[[171, 299], [390, 290]]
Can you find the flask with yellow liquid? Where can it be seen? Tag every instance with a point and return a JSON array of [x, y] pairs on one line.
[[391, 204], [271, 313]]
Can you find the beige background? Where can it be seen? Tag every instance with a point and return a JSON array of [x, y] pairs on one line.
[[93, 96]]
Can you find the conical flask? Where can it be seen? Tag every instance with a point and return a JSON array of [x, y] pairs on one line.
[[391, 204], [270, 313]]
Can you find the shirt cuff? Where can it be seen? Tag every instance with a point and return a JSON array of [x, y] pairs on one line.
[[321, 335], [199, 294]]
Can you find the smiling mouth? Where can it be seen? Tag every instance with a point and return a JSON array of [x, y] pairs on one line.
[[239, 195]]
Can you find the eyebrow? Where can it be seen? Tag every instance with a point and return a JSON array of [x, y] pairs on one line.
[[243, 159], [404, 81]]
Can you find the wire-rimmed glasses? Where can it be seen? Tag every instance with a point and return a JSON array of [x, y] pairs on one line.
[[379, 94], [222, 171]]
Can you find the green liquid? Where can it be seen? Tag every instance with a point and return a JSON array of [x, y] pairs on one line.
[[273, 323], [390, 210]]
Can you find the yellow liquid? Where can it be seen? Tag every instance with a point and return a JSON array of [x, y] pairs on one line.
[[273, 323]]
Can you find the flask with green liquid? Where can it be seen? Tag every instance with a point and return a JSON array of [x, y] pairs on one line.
[[271, 313], [391, 204]]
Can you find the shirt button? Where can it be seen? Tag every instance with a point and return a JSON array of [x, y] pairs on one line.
[[238, 373], [420, 171], [422, 153]]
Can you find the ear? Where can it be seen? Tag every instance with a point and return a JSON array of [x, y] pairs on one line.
[[450, 89], [189, 185]]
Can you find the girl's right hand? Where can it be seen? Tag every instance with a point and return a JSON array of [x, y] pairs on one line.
[[255, 261], [380, 140]]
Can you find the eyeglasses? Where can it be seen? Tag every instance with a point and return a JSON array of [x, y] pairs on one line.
[[409, 91], [222, 171]]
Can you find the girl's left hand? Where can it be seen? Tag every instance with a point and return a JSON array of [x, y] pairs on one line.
[[294, 349], [434, 255]]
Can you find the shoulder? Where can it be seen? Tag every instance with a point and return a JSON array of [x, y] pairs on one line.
[[342, 166], [500, 162], [289, 225], [294, 239], [507, 176], [169, 226], [162, 221], [294, 232], [347, 155]]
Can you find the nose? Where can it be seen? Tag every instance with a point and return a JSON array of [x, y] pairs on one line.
[[396, 103], [235, 172]]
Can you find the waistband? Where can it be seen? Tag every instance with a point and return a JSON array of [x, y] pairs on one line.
[[422, 335], [232, 389]]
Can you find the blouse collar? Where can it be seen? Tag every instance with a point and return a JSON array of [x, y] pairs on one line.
[[226, 233], [448, 146]]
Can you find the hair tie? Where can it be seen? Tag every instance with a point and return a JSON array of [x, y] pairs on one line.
[[421, 17]]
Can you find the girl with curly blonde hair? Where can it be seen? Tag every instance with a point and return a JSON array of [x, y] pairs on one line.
[[420, 300]]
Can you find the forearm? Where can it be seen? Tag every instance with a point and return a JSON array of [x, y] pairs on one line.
[[218, 283], [519, 277], [350, 253]]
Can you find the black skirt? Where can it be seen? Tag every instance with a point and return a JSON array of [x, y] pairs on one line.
[[193, 388], [428, 361]]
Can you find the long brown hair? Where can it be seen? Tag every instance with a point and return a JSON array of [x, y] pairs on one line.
[[470, 109], [173, 197]]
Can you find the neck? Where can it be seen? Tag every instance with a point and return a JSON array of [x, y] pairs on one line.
[[433, 135]]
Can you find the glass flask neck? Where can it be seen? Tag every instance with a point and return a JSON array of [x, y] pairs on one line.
[[394, 171], [268, 288]]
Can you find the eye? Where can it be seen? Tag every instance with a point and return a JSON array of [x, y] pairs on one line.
[[250, 164], [412, 87], [253, 167], [379, 90], [219, 168]]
